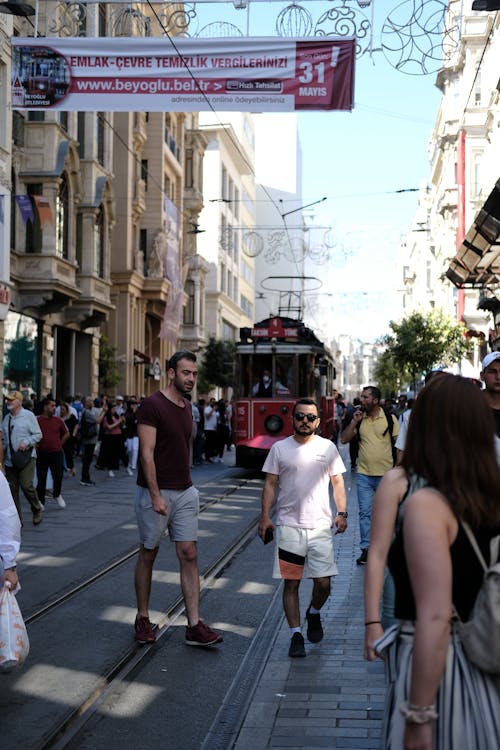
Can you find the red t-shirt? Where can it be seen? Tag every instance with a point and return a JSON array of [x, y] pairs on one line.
[[174, 426], [53, 429]]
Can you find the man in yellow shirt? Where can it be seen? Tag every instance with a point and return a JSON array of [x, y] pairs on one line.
[[375, 456]]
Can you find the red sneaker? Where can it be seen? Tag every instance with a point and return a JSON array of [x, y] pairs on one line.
[[202, 635], [144, 630]]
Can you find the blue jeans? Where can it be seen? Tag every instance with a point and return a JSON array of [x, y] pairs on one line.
[[367, 486]]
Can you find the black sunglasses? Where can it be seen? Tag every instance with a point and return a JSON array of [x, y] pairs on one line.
[[300, 416]]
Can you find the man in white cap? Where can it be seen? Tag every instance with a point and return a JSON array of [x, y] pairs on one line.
[[490, 375]]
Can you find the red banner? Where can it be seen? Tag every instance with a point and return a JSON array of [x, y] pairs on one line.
[[270, 74]]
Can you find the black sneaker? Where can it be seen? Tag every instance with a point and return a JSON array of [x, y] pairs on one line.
[[314, 627], [87, 484], [363, 558], [297, 645]]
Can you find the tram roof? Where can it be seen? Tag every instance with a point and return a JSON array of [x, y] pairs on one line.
[[280, 329]]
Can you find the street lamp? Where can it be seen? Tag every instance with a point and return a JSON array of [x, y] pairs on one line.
[[17, 8]]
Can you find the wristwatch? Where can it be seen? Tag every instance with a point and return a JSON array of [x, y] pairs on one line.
[[342, 513]]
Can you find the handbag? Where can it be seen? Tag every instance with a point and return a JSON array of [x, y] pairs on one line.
[[14, 642], [19, 459]]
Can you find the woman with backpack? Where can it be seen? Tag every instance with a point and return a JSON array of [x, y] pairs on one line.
[[437, 697]]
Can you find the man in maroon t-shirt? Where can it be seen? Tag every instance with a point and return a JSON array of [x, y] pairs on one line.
[[166, 498], [49, 451]]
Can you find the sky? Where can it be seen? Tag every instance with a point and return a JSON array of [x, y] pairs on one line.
[[359, 161]]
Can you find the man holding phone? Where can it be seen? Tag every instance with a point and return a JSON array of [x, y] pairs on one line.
[[302, 467]]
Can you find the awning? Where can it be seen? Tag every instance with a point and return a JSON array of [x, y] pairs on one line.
[[477, 262], [140, 358]]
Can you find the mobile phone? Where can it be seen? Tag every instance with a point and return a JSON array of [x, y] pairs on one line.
[[269, 535]]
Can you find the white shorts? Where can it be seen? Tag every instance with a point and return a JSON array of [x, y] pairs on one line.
[[303, 553], [181, 519]]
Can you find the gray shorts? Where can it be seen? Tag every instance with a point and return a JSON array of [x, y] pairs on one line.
[[181, 519]]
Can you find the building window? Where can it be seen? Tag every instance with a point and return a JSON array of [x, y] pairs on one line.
[[143, 247], [36, 116], [17, 128], [477, 174], [62, 220], [247, 272], [81, 134], [228, 331], [100, 133], [34, 230], [102, 20], [144, 172], [224, 183], [246, 306], [99, 244], [79, 240], [236, 204], [188, 312], [223, 278], [477, 89], [188, 168], [63, 118]]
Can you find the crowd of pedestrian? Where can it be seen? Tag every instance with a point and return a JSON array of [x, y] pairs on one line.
[[427, 471]]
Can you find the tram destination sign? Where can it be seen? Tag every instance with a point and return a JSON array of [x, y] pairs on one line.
[[249, 74]]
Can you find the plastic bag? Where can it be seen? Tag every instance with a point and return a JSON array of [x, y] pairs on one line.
[[14, 643]]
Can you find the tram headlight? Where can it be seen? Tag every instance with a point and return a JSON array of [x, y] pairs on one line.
[[273, 424]]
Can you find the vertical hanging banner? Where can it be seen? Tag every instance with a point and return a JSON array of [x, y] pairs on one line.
[[26, 208], [172, 319], [44, 210], [244, 74]]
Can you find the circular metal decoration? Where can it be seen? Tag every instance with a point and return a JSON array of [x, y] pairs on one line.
[[415, 38], [252, 244], [273, 424], [219, 29], [294, 21], [282, 283], [345, 20], [177, 21]]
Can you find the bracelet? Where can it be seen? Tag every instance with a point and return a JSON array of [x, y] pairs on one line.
[[372, 622], [418, 714]]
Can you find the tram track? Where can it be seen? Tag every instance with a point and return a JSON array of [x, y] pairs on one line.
[[83, 654], [63, 596], [68, 729]]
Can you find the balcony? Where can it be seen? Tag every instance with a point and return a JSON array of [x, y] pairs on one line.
[[45, 283]]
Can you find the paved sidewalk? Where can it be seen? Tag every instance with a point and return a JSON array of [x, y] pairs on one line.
[[333, 698]]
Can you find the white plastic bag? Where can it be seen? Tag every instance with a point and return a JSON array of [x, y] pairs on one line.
[[14, 643]]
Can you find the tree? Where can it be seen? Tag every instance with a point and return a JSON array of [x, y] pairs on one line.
[[217, 367], [388, 375], [109, 375], [425, 340]]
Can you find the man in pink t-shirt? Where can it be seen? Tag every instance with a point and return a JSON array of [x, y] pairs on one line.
[[302, 467]]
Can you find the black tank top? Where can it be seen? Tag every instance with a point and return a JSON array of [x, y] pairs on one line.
[[467, 572]]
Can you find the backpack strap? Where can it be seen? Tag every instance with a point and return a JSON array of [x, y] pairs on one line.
[[475, 545]]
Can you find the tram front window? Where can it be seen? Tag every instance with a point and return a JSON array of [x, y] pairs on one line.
[[264, 387]]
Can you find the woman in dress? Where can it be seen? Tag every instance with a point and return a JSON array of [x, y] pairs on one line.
[[436, 698]]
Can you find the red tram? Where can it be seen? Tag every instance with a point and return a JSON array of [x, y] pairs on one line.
[[298, 365]]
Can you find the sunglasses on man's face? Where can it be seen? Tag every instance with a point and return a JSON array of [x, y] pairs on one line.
[[300, 416]]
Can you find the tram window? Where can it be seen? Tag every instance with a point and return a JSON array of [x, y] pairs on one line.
[[284, 372], [306, 387]]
